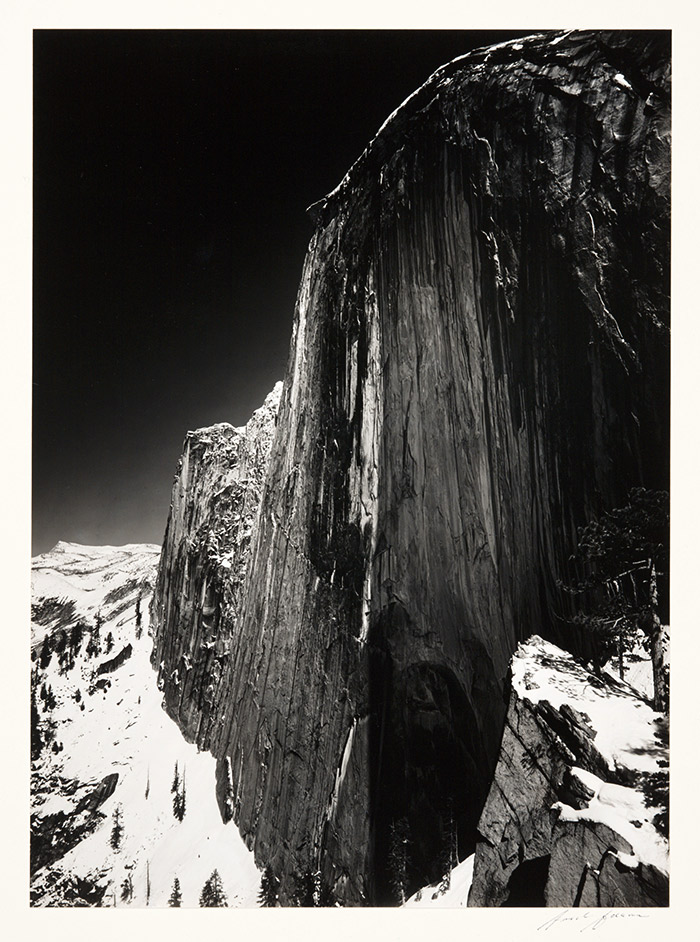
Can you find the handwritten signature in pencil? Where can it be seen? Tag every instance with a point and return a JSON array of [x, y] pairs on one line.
[[589, 919]]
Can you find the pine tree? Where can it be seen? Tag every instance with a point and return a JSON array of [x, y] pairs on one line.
[[37, 741], [138, 618], [66, 661], [148, 882], [176, 780], [175, 899], [326, 896], [109, 642], [127, 890], [95, 639], [61, 641], [76, 637], [398, 859], [269, 888], [306, 888], [448, 850], [148, 783], [117, 829], [623, 557], [45, 658], [213, 892], [180, 801]]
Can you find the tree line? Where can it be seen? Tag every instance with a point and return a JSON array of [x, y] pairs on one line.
[[621, 582]]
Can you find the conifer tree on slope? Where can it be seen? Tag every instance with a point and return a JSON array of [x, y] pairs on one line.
[[76, 637], [326, 896], [305, 888], [398, 859], [213, 892], [45, 658], [180, 800], [117, 829], [623, 557], [175, 899], [269, 888], [448, 847], [37, 740], [127, 889]]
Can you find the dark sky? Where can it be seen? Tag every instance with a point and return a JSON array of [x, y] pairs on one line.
[[172, 171]]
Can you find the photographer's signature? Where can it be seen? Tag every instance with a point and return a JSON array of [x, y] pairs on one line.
[[589, 919]]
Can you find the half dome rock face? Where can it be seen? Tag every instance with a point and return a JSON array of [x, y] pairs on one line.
[[479, 363]]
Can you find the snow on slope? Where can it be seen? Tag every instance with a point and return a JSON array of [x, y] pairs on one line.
[[123, 729], [626, 727], [88, 576], [430, 897], [629, 735]]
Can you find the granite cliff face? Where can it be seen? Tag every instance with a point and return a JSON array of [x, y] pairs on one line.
[[479, 363], [214, 505], [570, 815]]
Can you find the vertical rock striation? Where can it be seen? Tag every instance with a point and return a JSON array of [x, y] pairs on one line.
[[479, 362], [214, 505]]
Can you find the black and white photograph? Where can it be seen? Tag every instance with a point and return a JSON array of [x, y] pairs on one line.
[[351, 470]]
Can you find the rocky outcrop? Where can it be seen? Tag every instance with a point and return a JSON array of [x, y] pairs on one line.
[[99, 793], [575, 811], [53, 835], [114, 663], [214, 506], [479, 363]]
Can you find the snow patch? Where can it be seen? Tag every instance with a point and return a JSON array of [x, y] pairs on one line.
[[623, 811], [455, 897], [621, 80], [626, 727]]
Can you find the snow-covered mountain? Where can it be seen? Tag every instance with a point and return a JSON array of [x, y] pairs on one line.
[[105, 752]]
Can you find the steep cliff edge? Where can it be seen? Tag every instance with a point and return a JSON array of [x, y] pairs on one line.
[[214, 506], [570, 816], [479, 362]]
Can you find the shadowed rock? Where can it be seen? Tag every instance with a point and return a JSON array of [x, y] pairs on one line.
[[479, 363]]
